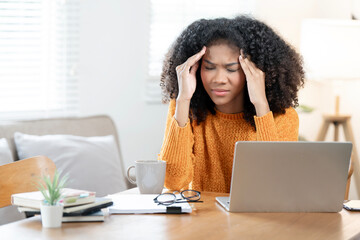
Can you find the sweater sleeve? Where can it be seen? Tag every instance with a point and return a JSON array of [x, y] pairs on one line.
[[177, 151], [283, 127]]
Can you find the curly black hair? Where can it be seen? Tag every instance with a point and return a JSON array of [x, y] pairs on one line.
[[282, 65]]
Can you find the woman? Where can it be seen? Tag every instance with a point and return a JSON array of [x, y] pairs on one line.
[[227, 80]]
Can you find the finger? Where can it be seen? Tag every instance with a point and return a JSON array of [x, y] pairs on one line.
[[244, 66], [195, 58], [254, 69], [180, 68], [183, 66], [251, 66], [243, 54], [245, 61], [248, 61], [194, 68]]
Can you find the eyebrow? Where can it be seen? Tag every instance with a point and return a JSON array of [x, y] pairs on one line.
[[227, 65]]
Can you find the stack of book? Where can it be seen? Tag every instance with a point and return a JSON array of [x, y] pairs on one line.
[[79, 205]]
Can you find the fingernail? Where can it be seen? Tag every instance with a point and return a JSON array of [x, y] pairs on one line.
[[241, 57]]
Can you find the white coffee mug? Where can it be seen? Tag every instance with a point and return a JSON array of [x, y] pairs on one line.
[[150, 176]]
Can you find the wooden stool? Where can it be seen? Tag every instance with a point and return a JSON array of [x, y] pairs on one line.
[[343, 120]]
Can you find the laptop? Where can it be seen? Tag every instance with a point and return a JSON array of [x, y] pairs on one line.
[[288, 177]]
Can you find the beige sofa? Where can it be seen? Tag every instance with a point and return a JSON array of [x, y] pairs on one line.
[[82, 126]]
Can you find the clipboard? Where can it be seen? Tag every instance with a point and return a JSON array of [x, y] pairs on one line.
[[352, 205], [144, 204]]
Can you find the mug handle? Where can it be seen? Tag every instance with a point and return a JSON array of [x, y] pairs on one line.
[[128, 175]]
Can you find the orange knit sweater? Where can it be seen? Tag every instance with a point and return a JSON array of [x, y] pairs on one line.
[[200, 157]]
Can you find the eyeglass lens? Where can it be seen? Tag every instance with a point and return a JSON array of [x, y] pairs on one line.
[[166, 198], [191, 195]]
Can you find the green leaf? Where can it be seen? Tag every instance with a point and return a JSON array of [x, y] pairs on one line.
[[51, 189], [305, 108]]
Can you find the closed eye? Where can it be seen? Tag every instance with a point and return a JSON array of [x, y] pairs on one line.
[[229, 70]]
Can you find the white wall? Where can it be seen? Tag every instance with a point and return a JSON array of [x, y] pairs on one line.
[[285, 17], [113, 63], [114, 41]]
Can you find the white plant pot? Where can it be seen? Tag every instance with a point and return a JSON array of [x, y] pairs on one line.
[[51, 216]]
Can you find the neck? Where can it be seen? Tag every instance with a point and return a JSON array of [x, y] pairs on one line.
[[235, 106]]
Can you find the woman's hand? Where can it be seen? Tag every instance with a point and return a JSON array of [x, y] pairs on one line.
[[186, 75], [255, 79]]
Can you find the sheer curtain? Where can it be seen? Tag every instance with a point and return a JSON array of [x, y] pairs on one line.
[[38, 58]]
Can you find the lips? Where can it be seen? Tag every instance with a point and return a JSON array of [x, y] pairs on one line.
[[220, 92]]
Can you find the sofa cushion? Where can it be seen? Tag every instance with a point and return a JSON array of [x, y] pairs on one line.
[[5, 152], [93, 163], [99, 125]]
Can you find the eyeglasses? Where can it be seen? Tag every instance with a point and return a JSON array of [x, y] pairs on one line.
[[171, 198]]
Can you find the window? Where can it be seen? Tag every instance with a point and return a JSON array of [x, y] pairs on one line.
[[169, 18], [38, 58]]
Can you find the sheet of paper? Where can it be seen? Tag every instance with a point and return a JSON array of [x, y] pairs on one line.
[[353, 205], [141, 203]]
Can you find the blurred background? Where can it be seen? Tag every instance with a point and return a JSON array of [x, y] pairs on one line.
[[89, 57]]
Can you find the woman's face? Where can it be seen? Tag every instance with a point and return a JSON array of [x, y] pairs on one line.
[[223, 77]]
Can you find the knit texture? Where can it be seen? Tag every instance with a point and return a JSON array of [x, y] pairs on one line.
[[200, 156]]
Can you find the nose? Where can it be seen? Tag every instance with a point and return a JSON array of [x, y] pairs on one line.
[[220, 77]]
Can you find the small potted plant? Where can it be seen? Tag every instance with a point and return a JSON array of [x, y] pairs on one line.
[[51, 208]]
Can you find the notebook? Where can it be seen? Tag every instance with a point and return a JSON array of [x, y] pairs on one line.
[[288, 177], [93, 217], [143, 203], [72, 197], [97, 216], [84, 209]]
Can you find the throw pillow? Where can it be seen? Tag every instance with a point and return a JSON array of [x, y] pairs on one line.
[[93, 163], [5, 152]]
